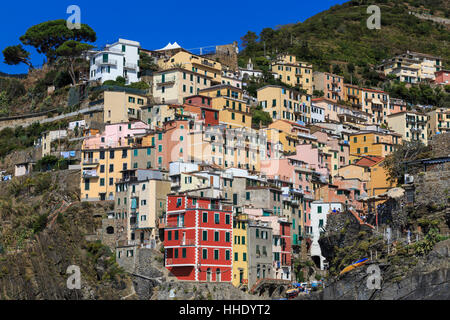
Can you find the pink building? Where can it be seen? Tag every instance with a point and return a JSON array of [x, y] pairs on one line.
[[396, 106], [335, 144], [115, 135], [348, 191], [332, 85], [311, 156]]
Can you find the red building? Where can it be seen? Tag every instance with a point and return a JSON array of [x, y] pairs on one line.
[[442, 77], [286, 243], [197, 238], [201, 105]]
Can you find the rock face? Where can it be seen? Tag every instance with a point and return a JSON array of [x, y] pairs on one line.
[[201, 291], [151, 280], [342, 230], [430, 279]]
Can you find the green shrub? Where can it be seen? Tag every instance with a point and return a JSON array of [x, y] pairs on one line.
[[62, 79], [40, 223]]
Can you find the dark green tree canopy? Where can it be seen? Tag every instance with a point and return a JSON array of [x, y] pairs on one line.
[[408, 151], [70, 51], [249, 40], [72, 48], [46, 37], [16, 54]]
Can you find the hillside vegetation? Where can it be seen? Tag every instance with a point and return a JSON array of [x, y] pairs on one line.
[[339, 35]]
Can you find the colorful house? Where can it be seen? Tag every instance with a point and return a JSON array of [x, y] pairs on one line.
[[373, 143], [353, 94], [240, 251], [191, 62], [438, 121], [233, 110], [171, 86], [330, 84], [105, 156], [284, 103], [293, 72], [198, 239], [376, 103], [121, 106], [411, 125]]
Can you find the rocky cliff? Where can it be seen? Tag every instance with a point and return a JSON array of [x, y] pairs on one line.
[[43, 231], [429, 279]]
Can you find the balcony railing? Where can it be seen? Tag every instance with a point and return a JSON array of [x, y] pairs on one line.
[[132, 66], [90, 174], [108, 62], [174, 225], [210, 207], [170, 261], [90, 161], [167, 80], [187, 242]]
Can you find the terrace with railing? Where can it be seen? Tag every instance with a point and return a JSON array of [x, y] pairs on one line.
[[106, 62], [209, 206]]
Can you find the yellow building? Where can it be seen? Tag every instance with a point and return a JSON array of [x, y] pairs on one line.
[[376, 104], [287, 141], [370, 171], [353, 94], [331, 154], [144, 200], [284, 132], [285, 104], [354, 171], [293, 72], [378, 182], [105, 158], [171, 86], [186, 60], [240, 250], [122, 106], [373, 143], [438, 121], [233, 110], [410, 124]]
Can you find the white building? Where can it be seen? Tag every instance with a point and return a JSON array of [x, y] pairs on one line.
[[249, 72], [23, 168], [48, 137], [317, 113], [231, 79], [319, 212], [118, 59]]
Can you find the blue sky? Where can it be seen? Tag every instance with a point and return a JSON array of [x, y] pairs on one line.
[[192, 24]]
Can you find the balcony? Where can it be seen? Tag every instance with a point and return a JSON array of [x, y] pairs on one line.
[[219, 207], [108, 62], [90, 162], [175, 262], [131, 66], [167, 81], [90, 174], [187, 242], [179, 224]]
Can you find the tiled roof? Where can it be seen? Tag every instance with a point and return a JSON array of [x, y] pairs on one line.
[[368, 161]]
